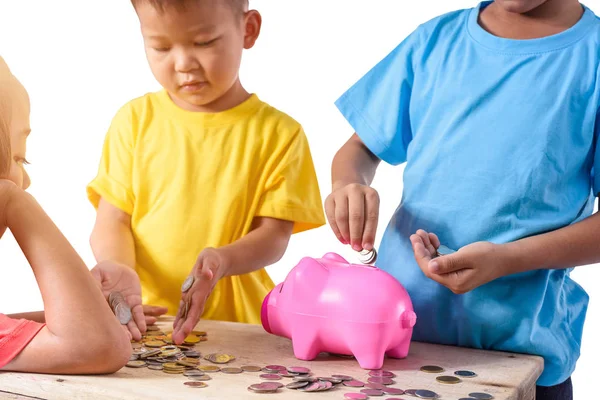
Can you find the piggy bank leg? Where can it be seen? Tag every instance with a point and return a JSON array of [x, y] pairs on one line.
[[306, 344], [400, 351], [367, 343]]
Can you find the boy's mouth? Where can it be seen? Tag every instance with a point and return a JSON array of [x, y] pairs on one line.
[[192, 86]]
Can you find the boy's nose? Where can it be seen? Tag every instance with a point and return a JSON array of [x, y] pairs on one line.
[[185, 61]]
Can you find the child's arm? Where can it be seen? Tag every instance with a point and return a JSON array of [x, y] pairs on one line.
[[264, 245], [352, 208], [36, 316], [73, 304], [112, 239], [482, 262], [112, 242]]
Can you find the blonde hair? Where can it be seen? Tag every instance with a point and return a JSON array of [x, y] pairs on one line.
[[6, 80]]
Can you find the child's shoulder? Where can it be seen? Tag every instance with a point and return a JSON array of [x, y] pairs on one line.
[[272, 116], [454, 20]]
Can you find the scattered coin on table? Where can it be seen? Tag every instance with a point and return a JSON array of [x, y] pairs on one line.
[[432, 369], [465, 374], [481, 396], [448, 379]]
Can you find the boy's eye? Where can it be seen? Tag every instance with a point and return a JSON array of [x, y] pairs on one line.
[[21, 161], [161, 49], [206, 43]]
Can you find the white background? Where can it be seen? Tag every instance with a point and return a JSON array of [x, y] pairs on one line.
[[82, 60]]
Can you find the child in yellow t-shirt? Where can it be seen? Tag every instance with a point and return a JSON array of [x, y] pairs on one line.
[[201, 183]]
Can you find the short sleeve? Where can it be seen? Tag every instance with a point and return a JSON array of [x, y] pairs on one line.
[[291, 191], [377, 106], [15, 335], [114, 180], [596, 165]]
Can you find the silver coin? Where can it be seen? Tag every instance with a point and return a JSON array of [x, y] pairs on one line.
[[372, 392], [335, 381], [123, 313], [343, 377], [325, 386], [193, 372], [311, 387], [444, 251], [382, 373], [156, 367], [353, 383], [412, 392], [200, 378], [134, 357], [298, 370], [392, 391], [296, 385], [367, 256], [481, 396], [426, 394], [187, 284], [465, 374], [305, 379]]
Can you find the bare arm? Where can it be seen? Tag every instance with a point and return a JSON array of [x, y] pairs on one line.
[[112, 239], [72, 300], [352, 208], [572, 245], [37, 316], [263, 246]]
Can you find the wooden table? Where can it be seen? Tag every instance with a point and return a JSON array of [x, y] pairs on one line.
[[506, 376]]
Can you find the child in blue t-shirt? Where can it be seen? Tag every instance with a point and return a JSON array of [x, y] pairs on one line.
[[495, 111]]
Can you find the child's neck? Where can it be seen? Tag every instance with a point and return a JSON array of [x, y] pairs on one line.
[[550, 18]]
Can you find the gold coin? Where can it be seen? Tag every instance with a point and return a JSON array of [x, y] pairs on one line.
[[209, 368], [174, 372], [196, 384], [199, 333], [191, 339], [448, 379], [432, 369], [232, 370], [219, 358], [154, 343], [251, 368], [136, 364], [172, 365]]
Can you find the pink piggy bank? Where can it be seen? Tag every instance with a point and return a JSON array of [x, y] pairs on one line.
[[330, 305]]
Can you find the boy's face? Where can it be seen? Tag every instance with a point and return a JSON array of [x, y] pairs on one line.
[[519, 6], [195, 52]]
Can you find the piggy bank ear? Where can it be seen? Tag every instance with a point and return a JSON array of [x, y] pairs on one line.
[[335, 257], [309, 273]]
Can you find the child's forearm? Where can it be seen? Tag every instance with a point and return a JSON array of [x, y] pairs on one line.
[[112, 239], [37, 316], [263, 246], [73, 302], [570, 246], [353, 163]]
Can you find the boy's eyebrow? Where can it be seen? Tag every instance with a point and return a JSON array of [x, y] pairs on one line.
[[196, 30]]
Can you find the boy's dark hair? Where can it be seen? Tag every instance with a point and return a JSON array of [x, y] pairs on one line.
[[239, 6]]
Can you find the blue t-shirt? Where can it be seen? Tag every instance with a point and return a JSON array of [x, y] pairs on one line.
[[500, 141]]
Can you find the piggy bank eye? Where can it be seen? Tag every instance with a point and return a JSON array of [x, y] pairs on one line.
[[281, 288]]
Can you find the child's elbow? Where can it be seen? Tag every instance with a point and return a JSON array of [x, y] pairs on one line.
[[108, 355]]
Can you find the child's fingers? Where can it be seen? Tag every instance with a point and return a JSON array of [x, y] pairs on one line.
[[434, 240], [371, 219], [425, 236], [179, 314], [356, 219], [341, 217], [139, 319], [135, 331], [150, 320], [196, 310], [421, 253], [330, 214]]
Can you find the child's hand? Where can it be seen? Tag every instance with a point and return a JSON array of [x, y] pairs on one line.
[[114, 277], [463, 271], [352, 212], [209, 268]]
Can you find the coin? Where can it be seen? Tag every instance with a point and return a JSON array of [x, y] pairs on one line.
[[367, 256], [432, 369], [372, 392], [193, 372], [448, 379], [372, 385], [151, 328], [298, 370], [271, 377], [343, 377], [383, 381], [251, 368], [192, 339], [195, 384], [412, 392], [133, 357], [187, 284], [199, 333], [157, 367], [481, 396], [353, 383], [200, 378], [426, 394], [219, 358], [192, 354], [123, 313], [209, 368], [335, 381], [305, 379], [382, 373], [263, 388], [155, 343], [296, 385], [355, 396], [465, 374], [136, 364], [444, 251], [187, 363], [393, 391], [232, 370], [275, 368], [465, 398]]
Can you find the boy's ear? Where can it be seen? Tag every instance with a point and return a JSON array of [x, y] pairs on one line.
[[252, 24]]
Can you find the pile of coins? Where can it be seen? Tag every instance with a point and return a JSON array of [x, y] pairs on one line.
[[367, 256], [120, 307], [448, 379]]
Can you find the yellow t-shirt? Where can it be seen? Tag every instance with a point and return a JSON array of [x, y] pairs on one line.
[[193, 180]]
